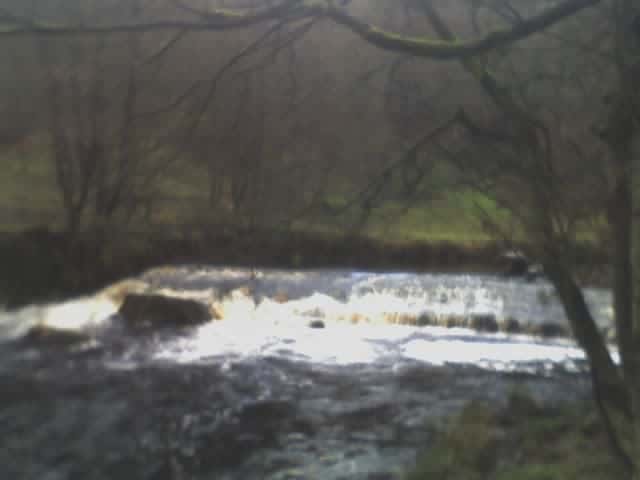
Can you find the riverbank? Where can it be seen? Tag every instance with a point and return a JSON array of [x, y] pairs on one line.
[[524, 440], [43, 265]]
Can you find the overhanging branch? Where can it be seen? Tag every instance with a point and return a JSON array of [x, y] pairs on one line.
[[444, 50], [229, 19]]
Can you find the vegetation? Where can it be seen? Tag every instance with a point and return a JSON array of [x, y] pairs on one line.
[[291, 119], [182, 192], [522, 441]]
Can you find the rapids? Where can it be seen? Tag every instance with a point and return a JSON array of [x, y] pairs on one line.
[[259, 394]]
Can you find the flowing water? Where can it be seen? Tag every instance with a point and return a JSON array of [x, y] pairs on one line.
[[260, 394]]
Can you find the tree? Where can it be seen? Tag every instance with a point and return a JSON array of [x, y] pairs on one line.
[[257, 130], [104, 146], [521, 140]]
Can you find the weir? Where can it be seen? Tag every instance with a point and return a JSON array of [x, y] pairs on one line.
[[257, 392]]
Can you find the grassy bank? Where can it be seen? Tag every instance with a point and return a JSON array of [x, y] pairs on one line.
[[524, 441], [441, 234], [29, 198]]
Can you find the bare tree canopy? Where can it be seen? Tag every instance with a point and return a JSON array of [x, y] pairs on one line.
[[281, 114], [219, 19]]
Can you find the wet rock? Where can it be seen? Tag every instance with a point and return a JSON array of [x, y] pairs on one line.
[[453, 321], [484, 323], [119, 291], [156, 311], [549, 330], [517, 263], [425, 319], [43, 336], [316, 324], [511, 325]]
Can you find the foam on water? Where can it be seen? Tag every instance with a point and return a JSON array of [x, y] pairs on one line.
[[343, 344], [335, 293], [267, 313], [78, 314]]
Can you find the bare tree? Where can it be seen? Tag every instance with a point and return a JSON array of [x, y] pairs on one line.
[[101, 144], [528, 156]]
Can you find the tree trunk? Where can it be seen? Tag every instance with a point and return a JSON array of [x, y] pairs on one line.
[[625, 143], [634, 367], [607, 379], [619, 213]]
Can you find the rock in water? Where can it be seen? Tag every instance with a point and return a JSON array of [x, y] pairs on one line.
[[157, 311], [44, 336], [484, 323], [117, 292], [511, 325], [426, 319], [517, 264]]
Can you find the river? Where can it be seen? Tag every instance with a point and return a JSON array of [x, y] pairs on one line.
[[260, 394]]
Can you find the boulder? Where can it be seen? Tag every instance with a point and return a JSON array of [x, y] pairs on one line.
[[426, 319], [484, 323], [511, 325], [316, 324], [119, 291], [517, 264], [453, 321], [157, 311], [44, 336]]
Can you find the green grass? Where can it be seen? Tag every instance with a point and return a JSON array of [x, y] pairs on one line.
[[523, 442], [452, 217], [29, 197]]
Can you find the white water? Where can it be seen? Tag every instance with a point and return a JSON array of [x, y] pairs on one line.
[[374, 297], [342, 344], [260, 395], [267, 314], [79, 314]]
